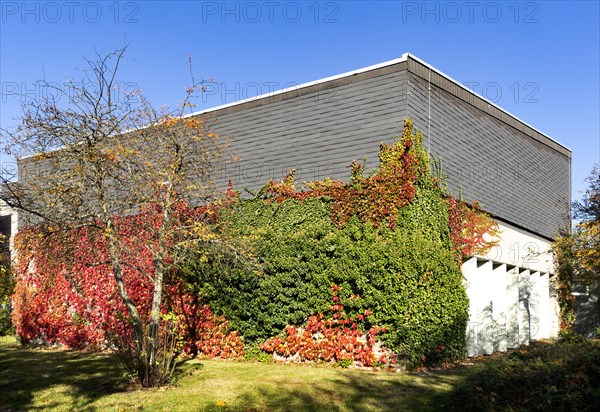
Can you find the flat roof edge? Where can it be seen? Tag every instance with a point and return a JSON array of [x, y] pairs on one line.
[[418, 60], [401, 59], [404, 58]]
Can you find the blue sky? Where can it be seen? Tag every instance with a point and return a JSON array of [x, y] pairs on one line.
[[539, 60]]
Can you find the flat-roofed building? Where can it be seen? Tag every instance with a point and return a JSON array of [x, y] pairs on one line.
[[517, 173]]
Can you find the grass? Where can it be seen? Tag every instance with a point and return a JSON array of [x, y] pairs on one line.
[[68, 380], [539, 377]]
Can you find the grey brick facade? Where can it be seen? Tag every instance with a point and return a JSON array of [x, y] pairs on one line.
[[517, 174], [515, 177]]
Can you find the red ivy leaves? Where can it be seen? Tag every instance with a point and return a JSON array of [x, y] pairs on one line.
[[61, 298], [331, 340], [378, 198], [204, 332], [328, 340], [373, 199], [468, 225], [66, 293]]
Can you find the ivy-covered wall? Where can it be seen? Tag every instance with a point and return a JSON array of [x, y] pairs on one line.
[[390, 240], [405, 279], [379, 255]]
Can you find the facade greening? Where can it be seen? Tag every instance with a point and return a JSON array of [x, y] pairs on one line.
[[517, 174]]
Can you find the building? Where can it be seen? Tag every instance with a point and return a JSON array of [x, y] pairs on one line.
[[8, 224], [518, 174]]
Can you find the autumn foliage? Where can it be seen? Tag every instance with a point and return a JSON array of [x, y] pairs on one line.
[[335, 338], [378, 198], [374, 199], [469, 226], [66, 293]]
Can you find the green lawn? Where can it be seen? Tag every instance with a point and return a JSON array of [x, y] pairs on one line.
[[542, 377], [67, 380]]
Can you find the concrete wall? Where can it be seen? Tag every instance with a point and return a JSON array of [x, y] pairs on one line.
[[512, 300]]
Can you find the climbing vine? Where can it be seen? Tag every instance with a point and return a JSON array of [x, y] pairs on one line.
[[66, 294], [390, 241], [565, 261], [379, 198]]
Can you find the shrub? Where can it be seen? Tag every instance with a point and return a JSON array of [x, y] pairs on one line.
[[561, 376], [6, 327], [6, 290], [7, 284]]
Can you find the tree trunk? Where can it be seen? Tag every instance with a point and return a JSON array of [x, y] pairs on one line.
[[155, 314], [159, 271], [138, 330]]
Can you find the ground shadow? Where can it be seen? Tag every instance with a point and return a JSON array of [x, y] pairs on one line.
[[352, 392], [24, 372], [561, 376]]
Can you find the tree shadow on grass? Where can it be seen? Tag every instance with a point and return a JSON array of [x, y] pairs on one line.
[[82, 376], [352, 392]]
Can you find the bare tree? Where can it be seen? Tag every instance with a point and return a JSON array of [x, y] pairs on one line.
[[93, 152]]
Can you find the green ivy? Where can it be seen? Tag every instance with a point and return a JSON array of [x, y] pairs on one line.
[[406, 277], [386, 240], [6, 289]]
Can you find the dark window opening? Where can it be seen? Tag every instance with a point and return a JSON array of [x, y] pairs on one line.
[[5, 230]]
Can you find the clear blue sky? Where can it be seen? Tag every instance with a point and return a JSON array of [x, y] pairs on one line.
[[539, 60]]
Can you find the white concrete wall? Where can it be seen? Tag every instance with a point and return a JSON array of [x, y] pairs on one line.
[[520, 248], [511, 301]]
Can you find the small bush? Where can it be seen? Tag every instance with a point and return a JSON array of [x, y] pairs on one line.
[[344, 363], [562, 376], [254, 353], [6, 290], [6, 327], [140, 366]]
